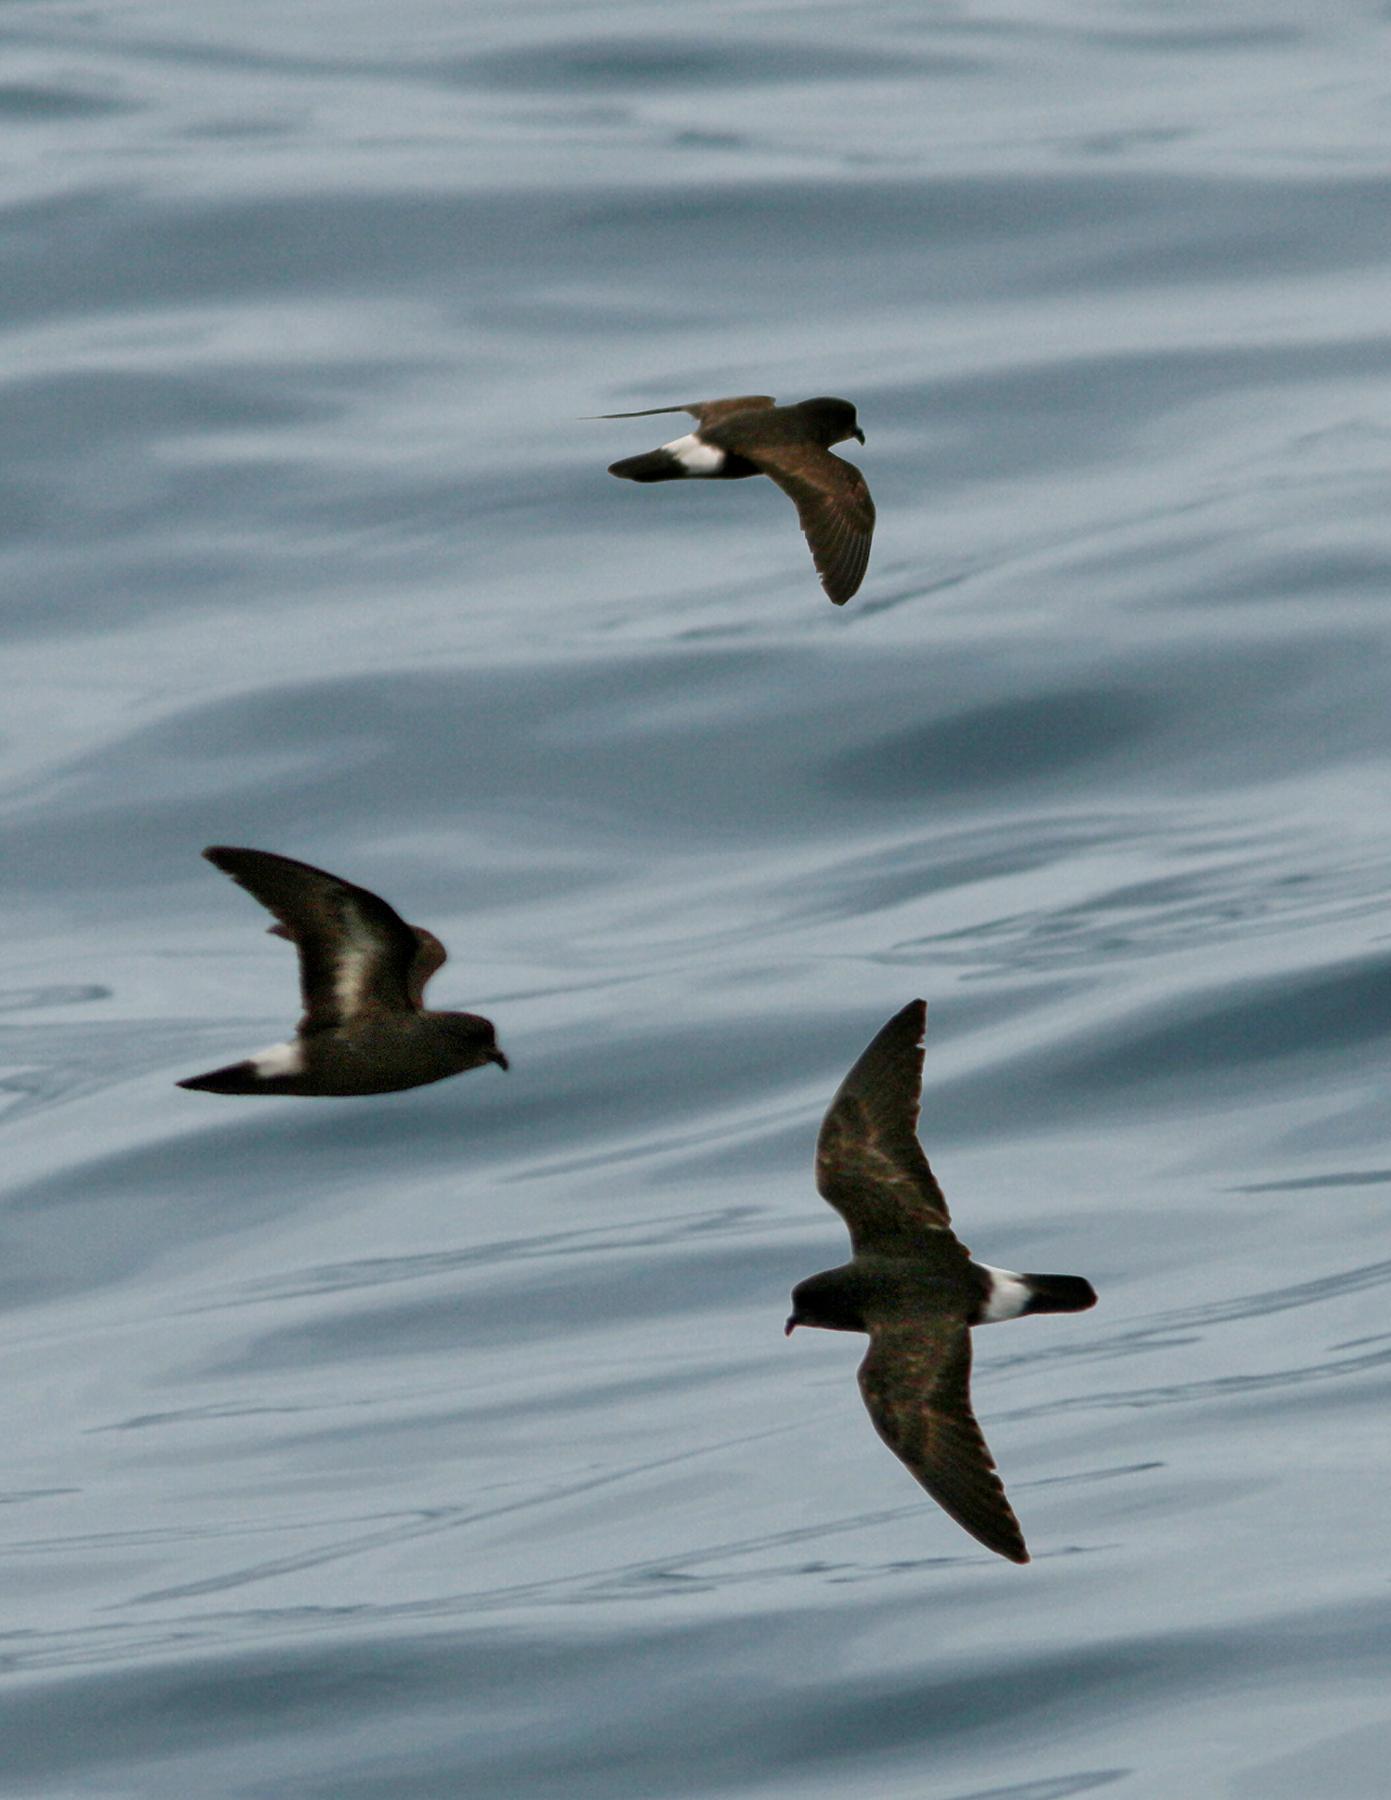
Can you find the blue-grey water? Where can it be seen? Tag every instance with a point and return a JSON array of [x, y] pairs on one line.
[[448, 1444]]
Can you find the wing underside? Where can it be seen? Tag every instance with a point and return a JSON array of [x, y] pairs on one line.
[[869, 1163], [916, 1380]]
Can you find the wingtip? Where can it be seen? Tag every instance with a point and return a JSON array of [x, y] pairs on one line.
[[914, 1013], [1001, 1535], [218, 854], [643, 412], [841, 589]]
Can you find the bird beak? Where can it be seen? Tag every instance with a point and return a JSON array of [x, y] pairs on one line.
[[497, 1057], [790, 1326], [859, 434], [278, 930]]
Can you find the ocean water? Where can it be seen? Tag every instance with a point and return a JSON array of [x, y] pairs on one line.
[[447, 1443]]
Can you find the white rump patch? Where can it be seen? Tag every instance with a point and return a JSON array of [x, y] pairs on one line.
[[1009, 1295], [695, 457], [279, 1059]]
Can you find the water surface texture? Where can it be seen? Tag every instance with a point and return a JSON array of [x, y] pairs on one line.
[[447, 1444]]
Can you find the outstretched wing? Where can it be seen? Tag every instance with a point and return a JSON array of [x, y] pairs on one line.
[[869, 1163], [916, 1383], [356, 954], [833, 506], [430, 957], [709, 412]]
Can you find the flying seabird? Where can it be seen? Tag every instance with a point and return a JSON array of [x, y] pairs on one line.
[[750, 434], [362, 973], [912, 1285]]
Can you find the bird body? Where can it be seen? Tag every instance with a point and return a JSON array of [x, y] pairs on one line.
[[843, 1299], [363, 971], [848, 1297], [375, 1056], [913, 1287], [749, 434]]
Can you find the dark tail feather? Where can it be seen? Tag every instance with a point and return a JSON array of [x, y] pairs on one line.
[[653, 465], [236, 1078], [1059, 1293]]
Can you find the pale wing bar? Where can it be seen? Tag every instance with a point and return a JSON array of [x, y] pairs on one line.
[[354, 950]]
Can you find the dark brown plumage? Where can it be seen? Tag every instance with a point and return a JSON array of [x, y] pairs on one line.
[[749, 434], [363, 972], [430, 954], [913, 1287]]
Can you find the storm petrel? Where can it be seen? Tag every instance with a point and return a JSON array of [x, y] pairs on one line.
[[751, 434], [912, 1285], [362, 974]]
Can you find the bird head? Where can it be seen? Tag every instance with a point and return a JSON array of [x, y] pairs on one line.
[[833, 420], [473, 1039]]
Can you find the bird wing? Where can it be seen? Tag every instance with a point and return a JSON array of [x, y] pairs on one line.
[[916, 1383], [869, 1163], [833, 506], [709, 412], [355, 952], [430, 958]]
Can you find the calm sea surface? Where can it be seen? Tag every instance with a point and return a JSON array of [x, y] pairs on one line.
[[447, 1444]]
